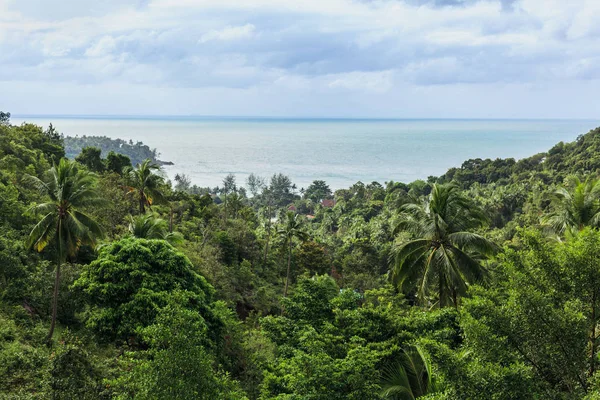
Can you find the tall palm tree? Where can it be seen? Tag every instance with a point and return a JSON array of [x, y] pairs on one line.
[[268, 196], [229, 186], [409, 378], [444, 255], [266, 225], [576, 208], [292, 228], [63, 225], [148, 226], [145, 184]]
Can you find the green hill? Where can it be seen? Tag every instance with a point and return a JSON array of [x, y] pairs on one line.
[[137, 152]]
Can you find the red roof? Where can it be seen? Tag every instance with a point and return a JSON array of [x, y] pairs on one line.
[[328, 203]]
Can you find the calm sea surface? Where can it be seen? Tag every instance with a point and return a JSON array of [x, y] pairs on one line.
[[340, 152]]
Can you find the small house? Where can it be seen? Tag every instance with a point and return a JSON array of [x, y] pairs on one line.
[[328, 203]]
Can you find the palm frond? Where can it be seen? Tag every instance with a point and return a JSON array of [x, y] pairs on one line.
[[417, 370], [96, 230], [42, 233], [43, 208], [395, 383], [407, 259], [410, 377], [41, 186], [473, 242], [470, 269]]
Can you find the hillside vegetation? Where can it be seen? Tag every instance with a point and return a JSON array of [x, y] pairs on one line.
[[483, 283], [137, 152]]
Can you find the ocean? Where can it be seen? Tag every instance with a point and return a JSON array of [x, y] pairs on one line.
[[338, 151]]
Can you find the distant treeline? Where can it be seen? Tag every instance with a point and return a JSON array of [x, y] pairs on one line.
[[137, 152], [580, 156]]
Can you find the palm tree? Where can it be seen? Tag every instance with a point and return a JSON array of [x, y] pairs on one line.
[[148, 226], [145, 184], [229, 186], [329, 220], [409, 378], [575, 209], [63, 225], [266, 225], [268, 195], [292, 229], [235, 203], [444, 254]]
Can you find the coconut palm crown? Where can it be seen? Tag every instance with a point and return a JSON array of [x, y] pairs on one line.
[[444, 254], [148, 226], [576, 208], [144, 184]]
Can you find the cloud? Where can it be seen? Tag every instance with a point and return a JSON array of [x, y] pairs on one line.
[[104, 46], [380, 81], [229, 33], [334, 48]]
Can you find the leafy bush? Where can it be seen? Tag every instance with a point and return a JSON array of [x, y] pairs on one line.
[[132, 279]]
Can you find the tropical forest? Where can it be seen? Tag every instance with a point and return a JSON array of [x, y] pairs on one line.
[[117, 282]]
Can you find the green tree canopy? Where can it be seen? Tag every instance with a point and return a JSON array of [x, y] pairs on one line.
[[117, 162], [317, 191], [132, 278], [537, 327], [178, 363], [90, 157]]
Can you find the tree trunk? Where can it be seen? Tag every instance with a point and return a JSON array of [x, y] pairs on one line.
[[268, 234], [54, 302], [171, 220], [142, 207], [593, 336], [56, 284], [267, 248], [287, 276], [441, 302], [455, 298]]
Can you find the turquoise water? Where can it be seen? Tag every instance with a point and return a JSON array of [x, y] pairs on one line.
[[341, 152]]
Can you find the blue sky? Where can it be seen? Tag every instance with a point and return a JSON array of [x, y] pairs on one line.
[[317, 58]]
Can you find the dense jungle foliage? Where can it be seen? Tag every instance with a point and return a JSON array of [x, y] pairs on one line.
[[483, 283], [137, 152]]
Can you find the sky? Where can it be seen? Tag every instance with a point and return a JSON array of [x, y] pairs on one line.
[[302, 58]]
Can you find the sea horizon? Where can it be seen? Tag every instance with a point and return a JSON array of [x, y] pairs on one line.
[[282, 118], [340, 151]]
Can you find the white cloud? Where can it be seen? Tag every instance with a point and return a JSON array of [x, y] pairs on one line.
[[229, 33], [380, 81], [287, 48], [102, 47]]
